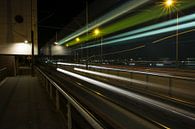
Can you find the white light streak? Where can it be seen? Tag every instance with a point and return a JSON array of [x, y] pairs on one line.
[[130, 95], [120, 78], [146, 34], [130, 5], [71, 64]]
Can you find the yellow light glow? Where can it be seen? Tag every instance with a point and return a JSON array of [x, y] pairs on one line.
[[169, 3], [77, 39], [96, 32]]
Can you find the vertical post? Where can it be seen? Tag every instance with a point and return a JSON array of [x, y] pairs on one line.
[[87, 15], [57, 100], [146, 81], [101, 49], [177, 42], [32, 39], [170, 87], [69, 116], [50, 90], [32, 59]]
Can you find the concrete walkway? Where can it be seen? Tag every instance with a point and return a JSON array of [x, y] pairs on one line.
[[24, 104]]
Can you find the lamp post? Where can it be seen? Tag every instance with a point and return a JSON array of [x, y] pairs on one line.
[[169, 4], [32, 38], [177, 42], [97, 33]]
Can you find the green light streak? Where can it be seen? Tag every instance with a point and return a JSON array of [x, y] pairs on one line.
[[127, 6], [150, 33], [156, 26], [155, 12]]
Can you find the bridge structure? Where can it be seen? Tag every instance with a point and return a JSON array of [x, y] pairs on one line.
[[130, 68]]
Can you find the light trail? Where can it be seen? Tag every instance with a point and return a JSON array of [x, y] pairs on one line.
[[126, 50], [71, 64], [131, 95], [119, 78], [156, 26], [155, 12], [150, 33], [130, 5], [181, 33]]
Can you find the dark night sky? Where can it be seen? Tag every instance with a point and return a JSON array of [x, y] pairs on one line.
[[55, 14]]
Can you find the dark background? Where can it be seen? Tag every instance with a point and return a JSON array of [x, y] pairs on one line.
[[53, 15]]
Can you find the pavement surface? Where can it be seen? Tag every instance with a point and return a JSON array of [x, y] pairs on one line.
[[24, 104]]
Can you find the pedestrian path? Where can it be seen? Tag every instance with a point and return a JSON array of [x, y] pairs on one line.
[[24, 104]]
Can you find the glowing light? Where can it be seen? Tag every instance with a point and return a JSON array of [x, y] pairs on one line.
[[155, 13], [71, 64], [96, 32], [127, 6], [169, 6], [150, 33], [25, 41], [169, 3], [56, 43], [77, 39], [155, 26]]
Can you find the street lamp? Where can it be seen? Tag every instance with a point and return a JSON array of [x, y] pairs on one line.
[[97, 33], [77, 39], [168, 5]]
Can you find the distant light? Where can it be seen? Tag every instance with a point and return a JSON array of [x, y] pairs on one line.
[[96, 32], [169, 3], [56, 43], [25, 41], [77, 39], [159, 64]]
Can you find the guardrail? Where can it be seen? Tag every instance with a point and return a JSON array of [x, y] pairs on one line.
[[3, 73], [177, 87], [104, 109], [54, 88], [173, 86]]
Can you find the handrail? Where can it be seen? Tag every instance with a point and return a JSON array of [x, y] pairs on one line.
[[92, 121], [3, 69], [148, 73]]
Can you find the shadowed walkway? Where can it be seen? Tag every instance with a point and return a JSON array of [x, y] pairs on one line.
[[25, 105]]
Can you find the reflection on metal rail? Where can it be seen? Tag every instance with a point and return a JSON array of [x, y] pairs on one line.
[[90, 119], [130, 94], [3, 74]]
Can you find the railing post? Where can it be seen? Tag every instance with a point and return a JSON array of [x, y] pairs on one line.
[[131, 77], [50, 90], [170, 86], [69, 115], [146, 81], [46, 85], [57, 100]]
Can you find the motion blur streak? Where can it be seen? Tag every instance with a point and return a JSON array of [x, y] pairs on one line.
[[130, 95], [71, 64], [106, 18], [150, 33], [156, 26]]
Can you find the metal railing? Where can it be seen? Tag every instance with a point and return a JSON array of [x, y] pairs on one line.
[[174, 84], [3, 73], [71, 102]]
